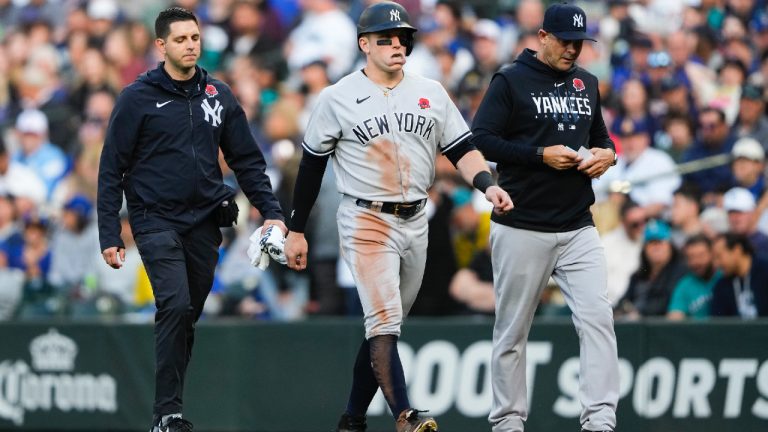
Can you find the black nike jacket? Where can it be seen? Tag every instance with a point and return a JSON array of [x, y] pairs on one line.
[[528, 105], [162, 151]]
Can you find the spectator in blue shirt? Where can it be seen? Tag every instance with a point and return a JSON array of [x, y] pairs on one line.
[[37, 152], [693, 292]]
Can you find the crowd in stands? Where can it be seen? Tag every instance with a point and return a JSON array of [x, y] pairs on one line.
[[684, 88]]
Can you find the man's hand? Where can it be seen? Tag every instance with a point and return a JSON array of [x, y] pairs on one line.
[[599, 164], [114, 256], [561, 157], [500, 199], [277, 222], [296, 251]]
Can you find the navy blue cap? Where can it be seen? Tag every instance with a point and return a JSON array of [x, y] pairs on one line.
[[628, 127], [671, 82], [566, 21], [80, 205]]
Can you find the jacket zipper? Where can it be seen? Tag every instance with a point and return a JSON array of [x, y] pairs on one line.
[[194, 154]]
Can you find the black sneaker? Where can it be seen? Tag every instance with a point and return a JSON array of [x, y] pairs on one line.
[[350, 423], [175, 424], [410, 421]]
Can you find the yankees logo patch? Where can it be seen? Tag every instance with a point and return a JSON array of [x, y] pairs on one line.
[[565, 106], [578, 20], [423, 103], [212, 113], [211, 91]]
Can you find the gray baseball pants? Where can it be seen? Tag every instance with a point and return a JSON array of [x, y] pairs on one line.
[[386, 256], [523, 261]]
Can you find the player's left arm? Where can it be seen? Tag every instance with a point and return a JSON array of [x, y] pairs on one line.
[[474, 170], [600, 145], [322, 134], [472, 166]]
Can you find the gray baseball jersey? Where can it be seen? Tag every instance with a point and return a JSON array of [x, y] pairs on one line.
[[384, 143]]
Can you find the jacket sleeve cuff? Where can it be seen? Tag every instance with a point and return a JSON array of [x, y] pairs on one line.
[[112, 242], [532, 157], [274, 215]]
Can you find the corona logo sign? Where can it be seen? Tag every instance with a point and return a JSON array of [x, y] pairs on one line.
[[51, 383], [53, 352]]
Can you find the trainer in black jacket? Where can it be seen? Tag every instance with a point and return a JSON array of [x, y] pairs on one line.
[[162, 151]]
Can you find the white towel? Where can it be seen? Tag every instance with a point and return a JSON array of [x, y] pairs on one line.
[[258, 257], [265, 244]]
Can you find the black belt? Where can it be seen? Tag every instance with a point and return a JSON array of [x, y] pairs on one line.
[[401, 210]]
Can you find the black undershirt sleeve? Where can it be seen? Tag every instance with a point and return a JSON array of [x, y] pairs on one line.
[[308, 182], [455, 153]]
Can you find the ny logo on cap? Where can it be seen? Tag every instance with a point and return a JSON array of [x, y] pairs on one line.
[[578, 20], [394, 15]]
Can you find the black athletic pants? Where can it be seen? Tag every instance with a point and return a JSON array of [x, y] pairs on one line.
[[180, 268]]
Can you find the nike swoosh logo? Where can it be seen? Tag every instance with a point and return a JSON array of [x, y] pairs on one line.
[[359, 101], [160, 105]]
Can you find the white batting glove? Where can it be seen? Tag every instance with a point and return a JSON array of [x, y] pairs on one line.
[[258, 257], [273, 242]]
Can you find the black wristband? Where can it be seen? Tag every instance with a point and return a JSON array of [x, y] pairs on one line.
[[482, 181]]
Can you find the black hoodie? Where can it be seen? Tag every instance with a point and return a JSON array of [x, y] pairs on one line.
[[162, 150], [529, 105]]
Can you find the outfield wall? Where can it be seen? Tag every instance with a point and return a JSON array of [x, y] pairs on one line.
[[294, 377]]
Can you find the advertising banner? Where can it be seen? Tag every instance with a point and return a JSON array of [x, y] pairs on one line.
[[295, 377]]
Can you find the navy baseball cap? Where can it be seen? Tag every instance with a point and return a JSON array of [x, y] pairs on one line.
[[629, 127], [566, 21]]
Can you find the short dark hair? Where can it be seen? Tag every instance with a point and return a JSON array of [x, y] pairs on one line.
[[627, 206], [676, 117], [696, 239], [170, 16], [453, 6], [720, 113], [732, 240], [690, 190], [736, 63]]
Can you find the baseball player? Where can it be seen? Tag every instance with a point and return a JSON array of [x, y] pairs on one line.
[[540, 121], [383, 127]]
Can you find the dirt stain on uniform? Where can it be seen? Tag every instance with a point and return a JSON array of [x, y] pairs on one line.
[[370, 241], [392, 166], [405, 172]]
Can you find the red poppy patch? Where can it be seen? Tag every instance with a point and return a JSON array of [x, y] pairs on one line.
[[578, 84], [210, 90], [423, 103]]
